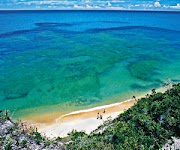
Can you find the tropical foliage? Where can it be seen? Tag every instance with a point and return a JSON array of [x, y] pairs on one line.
[[147, 125]]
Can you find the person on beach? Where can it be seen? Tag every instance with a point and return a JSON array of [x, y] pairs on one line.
[[100, 116], [104, 111]]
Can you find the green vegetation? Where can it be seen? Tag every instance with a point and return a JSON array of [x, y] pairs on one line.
[[23, 143], [8, 145], [146, 126], [4, 115]]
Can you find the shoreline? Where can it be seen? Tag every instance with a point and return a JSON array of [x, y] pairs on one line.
[[83, 120], [93, 109]]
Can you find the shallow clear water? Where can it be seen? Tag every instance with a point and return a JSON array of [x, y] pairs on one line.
[[70, 60]]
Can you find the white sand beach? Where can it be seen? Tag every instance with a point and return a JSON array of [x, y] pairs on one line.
[[83, 120]]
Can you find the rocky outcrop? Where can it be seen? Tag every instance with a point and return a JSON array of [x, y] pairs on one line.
[[173, 144], [13, 136]]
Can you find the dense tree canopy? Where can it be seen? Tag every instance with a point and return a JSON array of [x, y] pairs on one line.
[[147, 125]]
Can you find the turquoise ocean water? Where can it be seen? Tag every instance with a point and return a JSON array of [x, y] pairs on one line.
[[71, 60]]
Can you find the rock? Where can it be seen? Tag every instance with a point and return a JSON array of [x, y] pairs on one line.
[[9, 123], [42, 144], [22, 140], [6, 127], [60, 144], [23, 137], [15, 147], [14, 142], [33, 147], [173, 144], [8, 136], [15, 133], [51, 146]]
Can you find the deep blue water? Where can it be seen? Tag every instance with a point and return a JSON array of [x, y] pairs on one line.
[[71, 60]]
